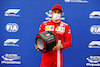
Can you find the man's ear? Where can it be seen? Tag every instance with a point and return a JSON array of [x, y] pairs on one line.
[[51, 13], [61, 14]]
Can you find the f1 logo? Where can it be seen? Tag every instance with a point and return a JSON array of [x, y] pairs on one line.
[[12, 12], [94, 44], [11, 42], [95, 14]]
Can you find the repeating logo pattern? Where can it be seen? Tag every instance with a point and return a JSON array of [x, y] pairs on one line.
[[11, 27], [94, 29]]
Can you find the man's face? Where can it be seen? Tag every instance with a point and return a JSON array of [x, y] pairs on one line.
[[56, 11]]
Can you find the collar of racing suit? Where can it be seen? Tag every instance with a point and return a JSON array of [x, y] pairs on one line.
[[56, 22]]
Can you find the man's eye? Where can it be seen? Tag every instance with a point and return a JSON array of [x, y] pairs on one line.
[[59, 12], [54, 11]]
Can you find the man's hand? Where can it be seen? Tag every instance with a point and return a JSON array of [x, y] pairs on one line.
[[57, 47], [36, 47]]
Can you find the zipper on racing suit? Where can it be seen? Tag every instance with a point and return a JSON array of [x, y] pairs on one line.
[[55, 56]]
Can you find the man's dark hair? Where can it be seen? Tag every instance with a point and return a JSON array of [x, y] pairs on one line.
[[56, 9]]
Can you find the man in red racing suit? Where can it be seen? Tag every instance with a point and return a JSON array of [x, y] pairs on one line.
[[62, 32]]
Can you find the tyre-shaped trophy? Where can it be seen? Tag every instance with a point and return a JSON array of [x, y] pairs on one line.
[[45, 41]]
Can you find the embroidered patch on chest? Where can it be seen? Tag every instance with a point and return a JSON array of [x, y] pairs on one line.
[[60, 29], [49, 28]]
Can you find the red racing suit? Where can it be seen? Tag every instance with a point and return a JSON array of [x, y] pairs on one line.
[[62, 33]]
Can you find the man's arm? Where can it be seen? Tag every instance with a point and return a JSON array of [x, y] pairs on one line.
[[67, 38], [41, 28]]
